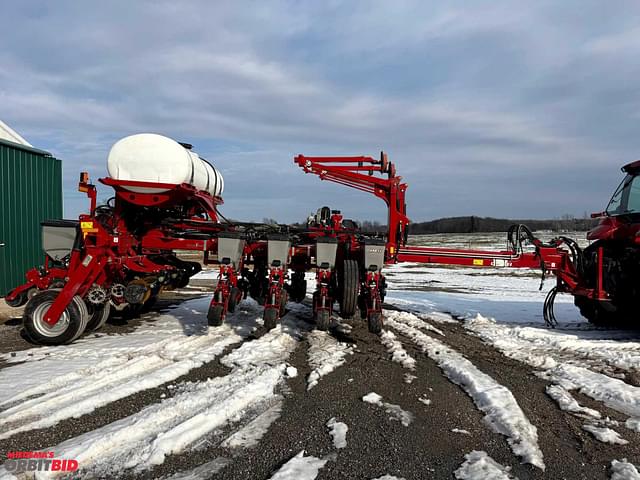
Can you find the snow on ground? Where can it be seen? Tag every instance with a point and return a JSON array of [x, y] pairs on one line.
[[623, 470], [397, 351], [395, 411], [300, 468], [202, 472], [460, 430], [338, 431], [605, 435], [325, 355], [197, 410], [388, 477], [501, 409], [567, 403], [249, 435], [480, 466]]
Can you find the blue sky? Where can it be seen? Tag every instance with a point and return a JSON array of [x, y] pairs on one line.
[[502, 108]]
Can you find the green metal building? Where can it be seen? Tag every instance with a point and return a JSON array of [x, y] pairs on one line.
[[30, 192]]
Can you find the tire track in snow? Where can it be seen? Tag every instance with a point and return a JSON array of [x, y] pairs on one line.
[[500, 407], [81, 392], [147, 437]]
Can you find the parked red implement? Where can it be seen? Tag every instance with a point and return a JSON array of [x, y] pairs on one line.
[[120, 255]]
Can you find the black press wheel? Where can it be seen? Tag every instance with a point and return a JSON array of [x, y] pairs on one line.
[[375, 322], [215, 315], [234, 297], [284, 298], [349, 286], [270, 318], [98, 316], [21, 298], [323, 320], [70, 326]]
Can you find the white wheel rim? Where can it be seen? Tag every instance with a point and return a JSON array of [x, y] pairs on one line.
[[43, 328]]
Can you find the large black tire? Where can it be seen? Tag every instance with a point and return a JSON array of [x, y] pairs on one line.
[[270, 318], [70, 326], [595, 314], [323, 320], [234, 296], [375, 323], [98, 317], [215, 315], [349, 287]]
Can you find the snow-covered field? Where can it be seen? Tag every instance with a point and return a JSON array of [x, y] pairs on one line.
[[226, 390]]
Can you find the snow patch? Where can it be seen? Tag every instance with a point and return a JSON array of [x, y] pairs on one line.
[[292, 372], [198, 409], [480, 466], [395, 411], [202, 472], [623, 470], [460, 430], [424, 400], [338, 431], [633, 424], [249, 436], [605, 435], [397, 351], [501, 409], [300, 468], [325, 355], [567, 403], [388, 477]]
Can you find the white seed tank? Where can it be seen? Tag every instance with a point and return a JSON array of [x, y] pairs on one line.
[[148, 157]]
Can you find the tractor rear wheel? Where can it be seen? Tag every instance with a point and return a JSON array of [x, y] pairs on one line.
[[270, 318], [349, 287], [323, 320], [215, 317], [70, 325], [375, 322]]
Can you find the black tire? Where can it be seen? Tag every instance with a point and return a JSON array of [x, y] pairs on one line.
[[375, 322], [234, 295], [215, 316], [323, 320], [284, 298], [270, 318], [349, 288], [149, 303], [21, 299], [70, 326], [98, 317], [595, 314], [298, 290]]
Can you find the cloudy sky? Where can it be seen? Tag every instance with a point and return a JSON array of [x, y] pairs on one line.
[[501, 108]]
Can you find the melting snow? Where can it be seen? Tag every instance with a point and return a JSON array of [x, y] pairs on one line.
[[567, 403], [325, 355], [501, 409], [605, 435], [480, 466], [460, 430], [396, 412], [397, 351], [171, 426], [623, 470], [300, 468], [338, 431], [250, 435]]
